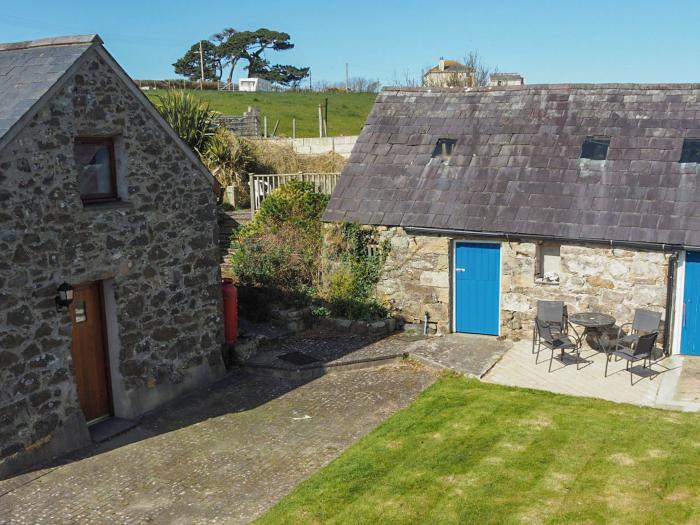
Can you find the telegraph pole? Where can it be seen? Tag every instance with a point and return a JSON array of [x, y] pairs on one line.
[[347, 80], [201, 67]]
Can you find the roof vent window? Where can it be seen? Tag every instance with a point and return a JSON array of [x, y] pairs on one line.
[[443, 149], [691, 151], [595, 148]]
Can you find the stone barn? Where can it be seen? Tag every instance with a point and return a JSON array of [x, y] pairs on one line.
[[99, 200], [493, 198]]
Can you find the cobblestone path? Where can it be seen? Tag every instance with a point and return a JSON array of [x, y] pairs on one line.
[[221, 456]]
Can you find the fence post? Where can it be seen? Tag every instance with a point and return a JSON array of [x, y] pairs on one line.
[[320, 121], [252, 195]]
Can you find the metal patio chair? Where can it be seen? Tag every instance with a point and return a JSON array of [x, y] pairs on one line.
[[644, 322], [554, 315], [641, 350], [561, 342]]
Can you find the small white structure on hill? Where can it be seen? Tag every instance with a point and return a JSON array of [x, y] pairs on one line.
[[254, 84], [506, 79]]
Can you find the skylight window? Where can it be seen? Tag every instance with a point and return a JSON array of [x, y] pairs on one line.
[[595, 148], [691, 151], [443, 149]]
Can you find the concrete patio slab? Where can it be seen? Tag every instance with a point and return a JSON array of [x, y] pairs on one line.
[[518, 368], [470, 355]]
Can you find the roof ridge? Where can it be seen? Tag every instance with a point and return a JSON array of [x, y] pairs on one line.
[[52, 41], [534, 87]]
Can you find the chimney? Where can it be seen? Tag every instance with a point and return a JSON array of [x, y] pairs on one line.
[[441, 64]]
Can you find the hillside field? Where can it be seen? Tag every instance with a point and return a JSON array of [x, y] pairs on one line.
[[346, 111]]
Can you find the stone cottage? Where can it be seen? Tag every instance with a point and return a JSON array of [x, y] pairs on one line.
[[99, 199], [493, 198]]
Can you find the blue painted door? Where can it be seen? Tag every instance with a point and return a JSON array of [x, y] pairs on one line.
[[690, 338], [477, 275]]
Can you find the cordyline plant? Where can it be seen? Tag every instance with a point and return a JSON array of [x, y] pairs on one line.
[[192, 120]]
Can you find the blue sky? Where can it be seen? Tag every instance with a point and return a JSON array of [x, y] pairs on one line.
[[546, 40]]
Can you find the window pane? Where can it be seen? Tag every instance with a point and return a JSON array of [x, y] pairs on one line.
[[443, 148], [94, 165], [595, 148], [691, 151]]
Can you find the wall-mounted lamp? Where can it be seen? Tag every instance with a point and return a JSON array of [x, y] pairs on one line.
[[64, 296]]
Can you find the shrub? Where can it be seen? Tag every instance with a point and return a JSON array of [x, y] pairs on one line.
[[356, 261], [278, 253], [295, 203], [192, 120]]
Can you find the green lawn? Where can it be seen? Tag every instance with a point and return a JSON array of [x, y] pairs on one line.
[[347, 112], [468, 452]]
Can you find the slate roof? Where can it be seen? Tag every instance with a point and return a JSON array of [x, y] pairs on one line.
[[29, 69], [506, 76], [516, 168], [451, 66]]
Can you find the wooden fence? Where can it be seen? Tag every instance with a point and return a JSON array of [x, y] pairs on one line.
[[262, 185]]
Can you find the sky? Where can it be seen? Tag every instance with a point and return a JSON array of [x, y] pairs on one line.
[[547, 41]]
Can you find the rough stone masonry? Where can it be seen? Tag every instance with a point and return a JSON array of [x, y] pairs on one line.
[[417, 279], [157, 248]]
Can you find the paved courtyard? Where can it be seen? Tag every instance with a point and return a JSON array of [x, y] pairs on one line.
[[222, 456], [675, 386]]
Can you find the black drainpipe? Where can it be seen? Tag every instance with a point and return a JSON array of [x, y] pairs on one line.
[[670, 299]]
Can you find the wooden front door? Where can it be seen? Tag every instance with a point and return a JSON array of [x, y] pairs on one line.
[[90, 352]]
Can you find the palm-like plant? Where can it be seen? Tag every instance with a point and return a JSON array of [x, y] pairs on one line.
[[192, 120]]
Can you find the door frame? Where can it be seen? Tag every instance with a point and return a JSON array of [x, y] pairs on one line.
[[105, 346], [678, 304], [453, 264]]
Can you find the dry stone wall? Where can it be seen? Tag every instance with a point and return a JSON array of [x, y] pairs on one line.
[[158, 248], [417, 279]]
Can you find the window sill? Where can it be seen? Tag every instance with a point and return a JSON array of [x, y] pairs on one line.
[[590, 163], [547, 283], [105, 206]]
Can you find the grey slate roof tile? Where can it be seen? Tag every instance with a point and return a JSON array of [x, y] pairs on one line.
[[29, 69], [516, 168]]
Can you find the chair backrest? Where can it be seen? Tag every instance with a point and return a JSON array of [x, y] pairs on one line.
[[544, 330], [551, 312], [646, 321], [645, 343]]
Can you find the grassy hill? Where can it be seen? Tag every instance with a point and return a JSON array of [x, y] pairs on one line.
[[346, 111]]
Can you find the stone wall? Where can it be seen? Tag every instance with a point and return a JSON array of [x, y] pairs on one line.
[[246, 125], [592, 278], [319, 145], [417, 278], [157, 249]]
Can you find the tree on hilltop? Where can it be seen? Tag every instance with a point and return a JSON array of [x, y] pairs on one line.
[[226, 49]]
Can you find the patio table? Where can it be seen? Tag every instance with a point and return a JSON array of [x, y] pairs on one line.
[[596, 325]]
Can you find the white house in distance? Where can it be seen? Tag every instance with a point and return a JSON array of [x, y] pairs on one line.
[[449, 73], [506, 79], [254, 84]]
